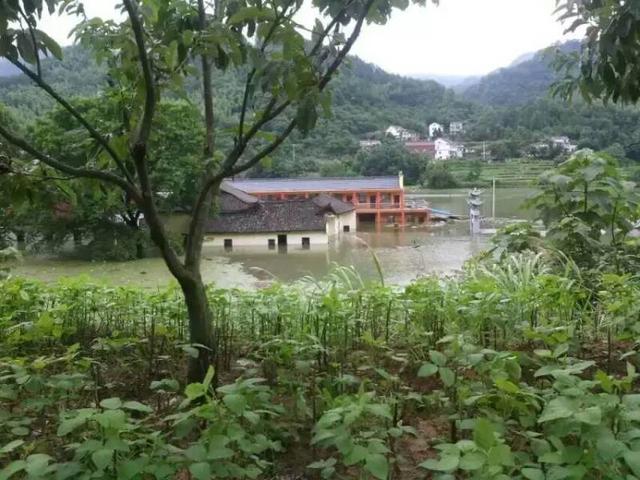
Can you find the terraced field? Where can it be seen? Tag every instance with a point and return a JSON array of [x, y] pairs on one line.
[[512, 173]]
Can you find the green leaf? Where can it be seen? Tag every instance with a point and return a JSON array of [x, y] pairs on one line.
[[446, 463], [590, 416], [379, 410], [532, 473], [194, 390], [427, 369], [560, 407], [11, 446], [377, 465], [484, 434], [131, 468], [235, 402], [307, 114], [137, 407], [609, 448], [111, 403], [500, 455], [447, 376], [507, 386], [438, 358], [37, 464], [50, 44], [200, 470], [633, 461], [206, 383], [358, 454], [472, 461], [102, 458]]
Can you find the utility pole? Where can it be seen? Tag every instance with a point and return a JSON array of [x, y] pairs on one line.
[[493, 205], [484, 151]]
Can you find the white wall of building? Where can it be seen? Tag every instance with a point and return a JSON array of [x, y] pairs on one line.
[[435, 128], [336, 223], [446, 150], [294, 239]]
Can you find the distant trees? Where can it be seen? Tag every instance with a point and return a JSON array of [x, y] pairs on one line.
[[439, 175], [389, 158]]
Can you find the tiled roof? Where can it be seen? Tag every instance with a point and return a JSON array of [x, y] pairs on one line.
[[307, 215], [343, 184]]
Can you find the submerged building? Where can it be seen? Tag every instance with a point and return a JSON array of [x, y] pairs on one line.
[[243, 219], [376, 199]]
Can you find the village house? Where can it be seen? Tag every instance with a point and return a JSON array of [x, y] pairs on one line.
[[456, 128], [401, 133], [246, 220], [435, 130], [446, 150]]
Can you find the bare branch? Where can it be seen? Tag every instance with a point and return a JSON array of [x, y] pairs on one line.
[[38, 80]]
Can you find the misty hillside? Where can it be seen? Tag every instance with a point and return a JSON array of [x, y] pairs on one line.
[[527, 79]]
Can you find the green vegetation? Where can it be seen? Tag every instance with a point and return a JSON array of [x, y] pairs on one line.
[[525, 366]]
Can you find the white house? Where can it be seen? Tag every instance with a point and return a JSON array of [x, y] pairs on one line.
[[401, 133], [446, 149], [456, 128], [365, 144], [435, 129], [564, 143]]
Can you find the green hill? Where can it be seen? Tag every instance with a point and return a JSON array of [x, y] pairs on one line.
[[525, 80]]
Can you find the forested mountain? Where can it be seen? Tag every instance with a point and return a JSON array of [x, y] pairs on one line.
[[510, 106], [526, 79]]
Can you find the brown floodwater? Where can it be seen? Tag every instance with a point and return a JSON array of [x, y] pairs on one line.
[[404, 254]]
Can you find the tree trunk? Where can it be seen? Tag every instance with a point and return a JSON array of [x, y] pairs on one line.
[[200, 327], [21, 240]]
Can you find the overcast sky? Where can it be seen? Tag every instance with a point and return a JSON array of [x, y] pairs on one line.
[[459, 37]]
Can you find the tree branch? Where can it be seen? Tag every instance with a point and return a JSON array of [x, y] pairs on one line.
[[77, 115], [33, 40], [68, 169], [144, 127], [198, 220]]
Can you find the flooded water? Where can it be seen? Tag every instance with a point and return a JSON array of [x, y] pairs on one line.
[[404, 254]]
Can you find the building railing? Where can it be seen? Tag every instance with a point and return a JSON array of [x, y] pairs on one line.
[[377, 205]]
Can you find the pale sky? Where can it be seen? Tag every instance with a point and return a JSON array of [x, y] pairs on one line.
[[458, 37]]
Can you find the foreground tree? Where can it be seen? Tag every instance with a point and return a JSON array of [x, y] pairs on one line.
[[150, 54]]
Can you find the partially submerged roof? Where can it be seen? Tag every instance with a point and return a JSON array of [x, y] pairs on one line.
[[337, 184], [305, 215]]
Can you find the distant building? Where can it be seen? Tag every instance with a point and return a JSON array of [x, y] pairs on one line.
[[456, 128], [435, 130], [446, 150], [246, 220], [564, 143], [401, 133], [365, 144], [421, 147]]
